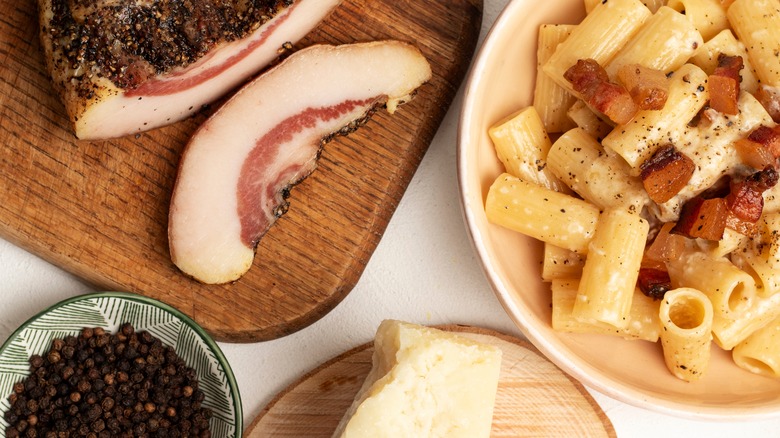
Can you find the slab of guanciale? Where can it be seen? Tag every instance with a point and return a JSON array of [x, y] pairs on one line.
[[99, 209]]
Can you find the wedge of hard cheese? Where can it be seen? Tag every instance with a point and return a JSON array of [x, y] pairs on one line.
[[425, 382]]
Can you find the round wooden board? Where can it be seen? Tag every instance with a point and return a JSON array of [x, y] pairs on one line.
[[534, 397]]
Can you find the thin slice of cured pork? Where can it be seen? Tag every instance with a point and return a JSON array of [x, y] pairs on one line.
[[237, 169], [127, 66]]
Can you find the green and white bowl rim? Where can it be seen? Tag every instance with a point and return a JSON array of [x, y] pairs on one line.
[[204, 336]]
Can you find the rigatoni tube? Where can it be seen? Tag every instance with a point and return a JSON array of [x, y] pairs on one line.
[[602, 179], [643, 320], [756, 23], [730, 289], [522, 144], [664, 43], [760, 256], [650, 129], [727, 333], [760, 352], [725, 42], [709, 16], [541, 213], [550, 99], [561, 263], [686, 321], [599, 36], [611, 269]]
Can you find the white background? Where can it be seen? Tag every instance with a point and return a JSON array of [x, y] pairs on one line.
[[423, 271]]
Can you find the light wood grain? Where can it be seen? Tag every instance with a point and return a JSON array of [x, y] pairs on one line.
[[534, 397], [99, 209]]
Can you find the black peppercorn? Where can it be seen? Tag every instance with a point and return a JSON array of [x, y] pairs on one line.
[[36, 361], [84, 385], [102, 385], [68, 351], [91, 398], [67, 372]]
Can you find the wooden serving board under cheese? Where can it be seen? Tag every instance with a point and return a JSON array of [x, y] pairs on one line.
[[534, 397], [100, 209]]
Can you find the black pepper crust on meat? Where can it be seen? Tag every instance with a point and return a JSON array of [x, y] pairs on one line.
[[129, 41]]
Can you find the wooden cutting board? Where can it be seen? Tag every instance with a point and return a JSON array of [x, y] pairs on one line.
[[99, 209], [534, 397]]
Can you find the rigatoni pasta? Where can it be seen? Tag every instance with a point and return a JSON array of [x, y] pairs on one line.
[[727, 333], [709, 16], [668, 227], [761, 256], [560, 263], [522, 144], [760, 352], [706, 57], [604, 180], [665, 42], [686, 321], [541, 213], [770, 227], [649, 130], [600, 36], [550, 99], [611, 269], [730, 289], [717, 156], [571, 157], [756, 22], [653, 5], [730, 242], [642, 323]]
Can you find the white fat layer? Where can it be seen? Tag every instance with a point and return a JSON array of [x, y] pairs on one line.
[[204, 227], [114, 114]]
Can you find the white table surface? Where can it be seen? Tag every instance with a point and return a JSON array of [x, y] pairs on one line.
[[423, 271]]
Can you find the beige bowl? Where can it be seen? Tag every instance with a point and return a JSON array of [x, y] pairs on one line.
[[501, 81]]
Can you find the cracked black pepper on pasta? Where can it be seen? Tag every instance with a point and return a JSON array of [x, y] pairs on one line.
[[98, 384]]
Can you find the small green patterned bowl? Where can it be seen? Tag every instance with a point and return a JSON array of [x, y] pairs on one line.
[[109, 310]]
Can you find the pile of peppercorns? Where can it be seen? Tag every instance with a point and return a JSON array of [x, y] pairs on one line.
[[99, 385]]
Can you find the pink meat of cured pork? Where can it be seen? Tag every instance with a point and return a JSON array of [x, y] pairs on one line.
[[237, 169], [127, 66]]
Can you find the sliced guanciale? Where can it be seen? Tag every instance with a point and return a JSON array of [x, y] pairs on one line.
[[591, 81], [724, 84], [702, 218], [730, 203], [585, 76], [746, 202], [237, 170], [654, 282], [761, 148], [648, 87], [123, 67], [754, 154], [768, 137], [666, 173]]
